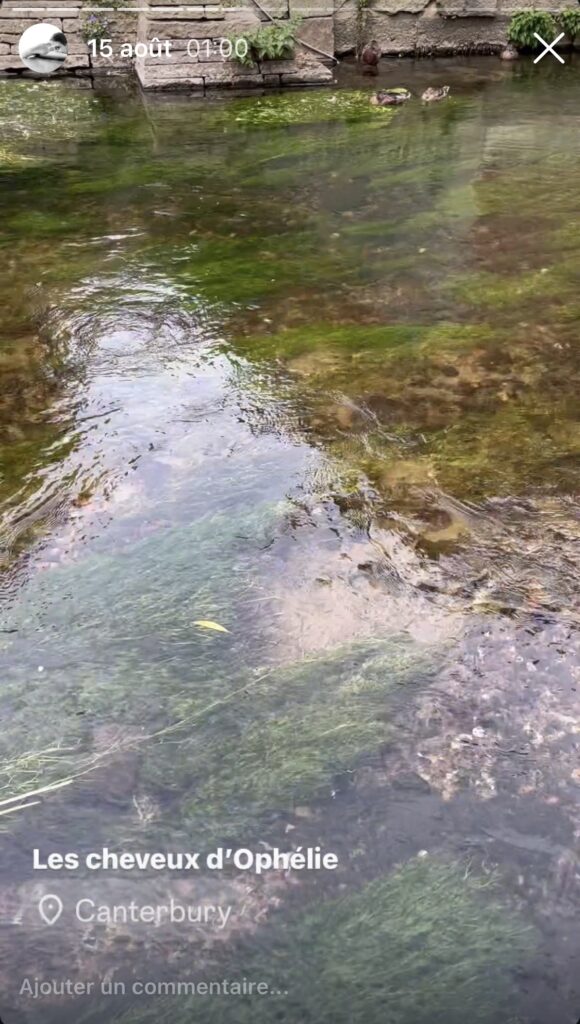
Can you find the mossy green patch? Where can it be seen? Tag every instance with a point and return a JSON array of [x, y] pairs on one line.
[[305, 108], [495, 292], [350, 340]]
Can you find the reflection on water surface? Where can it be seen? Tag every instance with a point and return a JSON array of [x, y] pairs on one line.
[[309, 371]]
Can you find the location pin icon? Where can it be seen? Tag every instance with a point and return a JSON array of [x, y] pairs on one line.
[[50, 908]]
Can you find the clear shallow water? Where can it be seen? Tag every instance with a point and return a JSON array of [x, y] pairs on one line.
[[309, 371]]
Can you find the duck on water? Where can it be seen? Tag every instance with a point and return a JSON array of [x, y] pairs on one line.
[[390, 97], [370, 58], [394, 97]]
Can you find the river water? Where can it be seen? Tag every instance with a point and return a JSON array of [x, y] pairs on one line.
[[289, 435]]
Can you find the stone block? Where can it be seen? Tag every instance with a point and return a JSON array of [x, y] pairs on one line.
[[395, 33], [460, 35], [272, 81], [512, 7], [275, 8], [107, 63], [313, 75], [4, 48], [229, 73], [250, 82], [16, 26], [317, 32], [178, 77], [11, 63], [9, 14], [293, 64], [467, 8], [11, 8], [312, 8], [213, 56], [199, 29], [241, 16], [399, 7], [345, 29], [191, 14], [181, 57], [75, 43]]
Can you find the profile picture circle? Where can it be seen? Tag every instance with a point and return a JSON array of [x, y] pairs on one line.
[[43, 48]]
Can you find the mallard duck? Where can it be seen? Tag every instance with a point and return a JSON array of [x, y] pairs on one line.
[[431, 95], [370, 58], [390, 97]]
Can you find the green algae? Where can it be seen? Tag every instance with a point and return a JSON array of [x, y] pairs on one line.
[[37, 118], [429, 942], [471, 390], [355, 339], [309, 108], [494, 292]]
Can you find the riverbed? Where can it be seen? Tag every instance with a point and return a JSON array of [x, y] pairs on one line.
[[289, 446]]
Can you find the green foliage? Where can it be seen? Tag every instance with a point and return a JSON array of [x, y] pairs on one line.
[[569, 21], [96, 26], [267, 42], [429, 942], [523, 26]]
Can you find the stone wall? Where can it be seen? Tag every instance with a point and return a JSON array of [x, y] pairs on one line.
[[165, 21], [429, 27], [206, 64], [70, 19], [327, 27]]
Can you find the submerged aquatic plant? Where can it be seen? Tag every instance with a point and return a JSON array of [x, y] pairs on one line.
[[228, 734], [317, 107], [430, 942], [290, 734]]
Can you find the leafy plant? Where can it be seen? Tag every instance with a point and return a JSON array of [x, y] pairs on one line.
[[524, 25], [569, 21], [96, 26], [267, 42]]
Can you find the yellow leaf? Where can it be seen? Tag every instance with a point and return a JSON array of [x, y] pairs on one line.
[[208, 624]]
